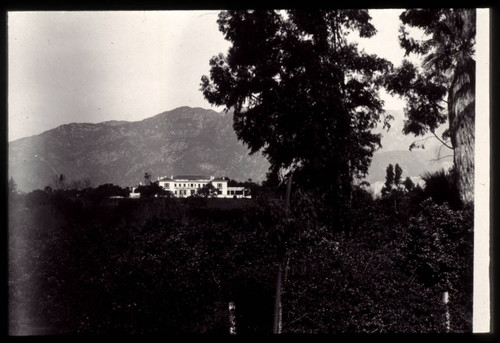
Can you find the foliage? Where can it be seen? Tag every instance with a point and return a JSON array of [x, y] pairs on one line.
[[441, 187], [448, 46], [105, 191], [171, 266], [118, 268], [444, 259], [301, 93], [397, 174], [387, 275], [207, 191], [424, 109], [389, 179], [308, 99], [443, 89], [402, 194], [408, 184], [152, 190]]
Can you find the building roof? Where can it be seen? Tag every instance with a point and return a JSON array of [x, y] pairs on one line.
[[184, 177], [220, 179], [191, 178]]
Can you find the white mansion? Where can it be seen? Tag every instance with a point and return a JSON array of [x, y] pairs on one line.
[[183, 186]]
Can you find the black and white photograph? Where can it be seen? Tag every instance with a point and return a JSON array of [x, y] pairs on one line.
[[248, 171]]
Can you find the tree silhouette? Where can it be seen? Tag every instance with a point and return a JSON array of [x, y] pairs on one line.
[[207, 191], [408, 183], [397, 174], [151, 190], [303, 96], [444, 88], [389, 179], [301, 93]]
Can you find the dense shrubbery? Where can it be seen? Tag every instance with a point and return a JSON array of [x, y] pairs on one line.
[[153, 190], [90, 264], [134, 265], [388, 275]]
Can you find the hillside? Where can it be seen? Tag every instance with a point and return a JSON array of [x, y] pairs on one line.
[[182, 141], [395, 149], [414, 163]]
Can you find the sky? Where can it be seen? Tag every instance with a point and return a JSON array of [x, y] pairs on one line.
[[92, 66]]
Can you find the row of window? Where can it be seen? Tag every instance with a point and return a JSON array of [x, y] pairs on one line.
[[187, 185], [178, 185], [193, 185], [184, 192]]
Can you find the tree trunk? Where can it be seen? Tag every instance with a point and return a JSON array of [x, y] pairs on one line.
[[277, 300], [464, 161], [462, 129]]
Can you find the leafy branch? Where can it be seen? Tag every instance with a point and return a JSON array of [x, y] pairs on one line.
[[415, 144]]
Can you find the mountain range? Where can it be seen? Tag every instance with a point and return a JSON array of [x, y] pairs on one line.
[[431, 156], [181, 141]]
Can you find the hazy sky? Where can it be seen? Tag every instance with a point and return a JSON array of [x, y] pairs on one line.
[[123, 65]]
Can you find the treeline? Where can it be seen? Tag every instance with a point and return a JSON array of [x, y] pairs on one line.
[[109, 190], [171, 266]]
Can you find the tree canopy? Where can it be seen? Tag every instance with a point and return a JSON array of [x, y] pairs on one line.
[[443, 88], [301, 93]]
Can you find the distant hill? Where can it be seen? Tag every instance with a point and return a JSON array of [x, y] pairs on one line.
[[414, 163], [182, 141], [395, 149]]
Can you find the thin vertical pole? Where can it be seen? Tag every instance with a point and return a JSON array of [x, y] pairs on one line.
[[447, 310], [232, 318]]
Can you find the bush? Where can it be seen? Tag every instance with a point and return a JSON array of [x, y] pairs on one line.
[[388, 275], [171, 266], [443, 259], [441, 187], [135, 266]]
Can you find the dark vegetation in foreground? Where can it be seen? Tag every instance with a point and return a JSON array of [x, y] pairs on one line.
[[171, 266]]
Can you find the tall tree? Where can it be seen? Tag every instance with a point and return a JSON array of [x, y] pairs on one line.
[[304, 96], [397, 174], [444, 88], [389, 179], [301, 93]]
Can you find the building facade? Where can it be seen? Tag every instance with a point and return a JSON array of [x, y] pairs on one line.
[[183, 186]]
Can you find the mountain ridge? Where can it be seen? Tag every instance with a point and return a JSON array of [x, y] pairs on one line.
[[185, 140], [395, 149], [179, 141]]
